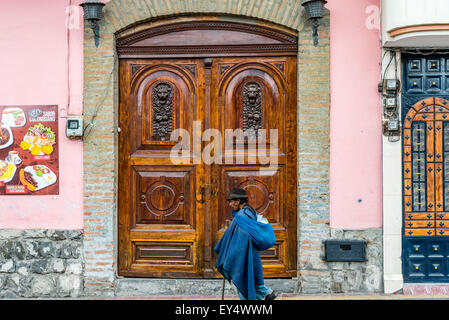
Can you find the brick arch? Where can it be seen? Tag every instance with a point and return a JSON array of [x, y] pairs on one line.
[[125, 13]]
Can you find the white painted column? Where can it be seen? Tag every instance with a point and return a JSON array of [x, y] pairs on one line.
[[392, 199]]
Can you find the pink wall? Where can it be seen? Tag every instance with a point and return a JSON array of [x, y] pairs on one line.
[[34, 64], [355, 153]]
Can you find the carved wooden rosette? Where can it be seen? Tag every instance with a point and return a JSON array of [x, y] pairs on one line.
[[162, 110]]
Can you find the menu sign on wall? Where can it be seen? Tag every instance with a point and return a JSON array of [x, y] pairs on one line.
[[29, 162]]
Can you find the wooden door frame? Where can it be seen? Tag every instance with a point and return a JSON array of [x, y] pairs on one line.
[[282, 44]]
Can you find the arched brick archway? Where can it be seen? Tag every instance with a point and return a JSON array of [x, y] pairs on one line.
[[100, 113]]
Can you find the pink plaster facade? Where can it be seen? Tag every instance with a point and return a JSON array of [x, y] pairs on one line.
[[37, 69], [41, 62]]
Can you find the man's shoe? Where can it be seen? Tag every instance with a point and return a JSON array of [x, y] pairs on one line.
[[271, 296]]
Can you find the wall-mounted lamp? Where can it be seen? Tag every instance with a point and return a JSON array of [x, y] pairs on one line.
[[93, 12], [314, 11]]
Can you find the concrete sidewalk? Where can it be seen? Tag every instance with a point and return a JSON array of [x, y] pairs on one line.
[[292, 297], [211, 289]]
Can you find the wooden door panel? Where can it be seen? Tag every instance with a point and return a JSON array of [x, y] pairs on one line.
[[161, 225], [176, 253], [265, 193], [424, 168], [165, 94], [171, 215], [252, 95], [163, 258], [164, 196], [258, 94]]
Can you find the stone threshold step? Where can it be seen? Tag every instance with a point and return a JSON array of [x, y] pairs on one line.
[[426, 289], [128, 287]]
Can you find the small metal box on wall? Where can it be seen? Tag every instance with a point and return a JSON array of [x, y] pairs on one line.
[[345, 250]]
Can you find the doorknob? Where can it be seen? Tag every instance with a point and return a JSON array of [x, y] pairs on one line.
[[203, 191], [202, 196]]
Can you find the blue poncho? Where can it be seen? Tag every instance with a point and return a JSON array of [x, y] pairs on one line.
[[238, 255]]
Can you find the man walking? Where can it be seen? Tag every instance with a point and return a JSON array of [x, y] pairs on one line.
[[238, 249]]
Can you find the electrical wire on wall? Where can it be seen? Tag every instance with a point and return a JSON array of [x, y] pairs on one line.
[[89, 126], [388, 65], [68, 86], [390, 89], [68, 66], [73, 118]]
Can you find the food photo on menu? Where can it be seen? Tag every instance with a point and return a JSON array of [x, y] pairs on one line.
[[29, 163]]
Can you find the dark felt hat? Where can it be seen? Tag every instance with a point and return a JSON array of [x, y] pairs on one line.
[[237, 193]]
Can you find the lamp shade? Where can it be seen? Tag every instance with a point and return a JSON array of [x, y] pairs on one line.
[[93, 10], [314, 8]]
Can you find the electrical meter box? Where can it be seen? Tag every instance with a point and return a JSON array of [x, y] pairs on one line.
[[392, 85], [74, 127], [393, 125], [390, 103]]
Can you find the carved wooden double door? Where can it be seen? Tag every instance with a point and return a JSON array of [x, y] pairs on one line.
[[180, 156]]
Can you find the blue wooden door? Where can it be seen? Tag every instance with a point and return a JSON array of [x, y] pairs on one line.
[[425, 154]]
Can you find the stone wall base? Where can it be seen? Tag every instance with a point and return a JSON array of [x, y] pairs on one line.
[[346, 277], [50, 263], [41, 263]]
